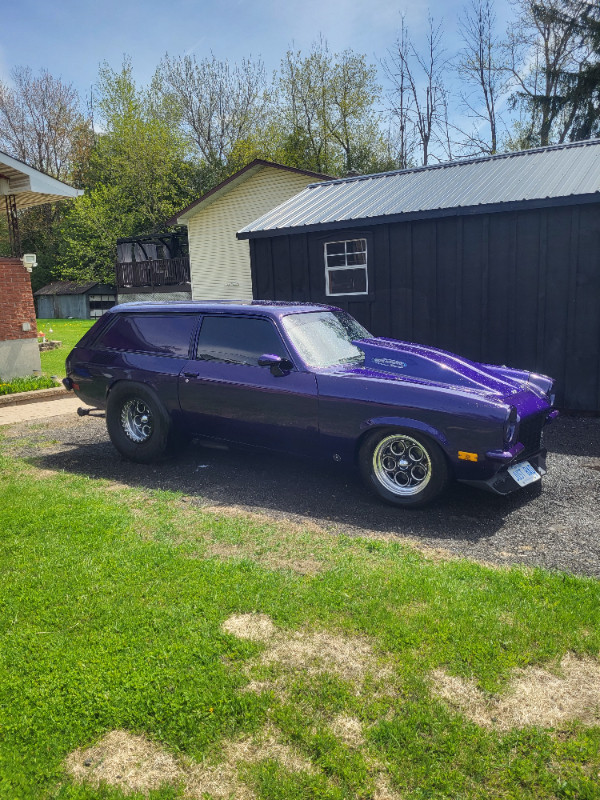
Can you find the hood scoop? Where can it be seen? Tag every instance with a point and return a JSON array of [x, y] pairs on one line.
[[418, 362]]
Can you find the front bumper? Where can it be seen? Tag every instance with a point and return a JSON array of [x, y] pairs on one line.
[[502, 481]]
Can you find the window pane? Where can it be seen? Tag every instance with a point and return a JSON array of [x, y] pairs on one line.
[[335, 247], [347, 281], [238, 340], [356, 246], [336, 261], [356, 258], [160, 334]]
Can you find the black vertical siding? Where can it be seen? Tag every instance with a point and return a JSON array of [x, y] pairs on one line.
[[585, 344], [520, 288]]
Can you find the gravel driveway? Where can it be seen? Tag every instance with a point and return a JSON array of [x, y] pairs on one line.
[[555, 525]]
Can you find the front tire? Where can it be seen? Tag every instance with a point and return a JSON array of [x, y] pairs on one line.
[[137, 422], [403, 468]]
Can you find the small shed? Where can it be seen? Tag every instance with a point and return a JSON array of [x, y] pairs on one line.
[[69, 299], [495, 258]]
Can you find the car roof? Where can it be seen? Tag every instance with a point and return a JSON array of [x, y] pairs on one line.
[[272, 308]]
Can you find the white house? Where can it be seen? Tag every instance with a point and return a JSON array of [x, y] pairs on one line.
[[219, 262]]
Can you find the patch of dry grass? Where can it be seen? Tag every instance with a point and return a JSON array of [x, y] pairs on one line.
[[348, 730], [274, 561], [383, 790], [134, 764], [535, 696], [121, 759], [255, 627], [310, 652]]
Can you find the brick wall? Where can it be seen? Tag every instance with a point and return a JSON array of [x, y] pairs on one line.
[[16, 301]]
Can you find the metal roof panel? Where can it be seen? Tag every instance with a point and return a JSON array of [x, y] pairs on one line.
[[540, 174]]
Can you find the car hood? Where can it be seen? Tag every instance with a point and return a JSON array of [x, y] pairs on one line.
[[394, 360]]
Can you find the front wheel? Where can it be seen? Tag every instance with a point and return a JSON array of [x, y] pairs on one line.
[[405, 469], [137, 423]]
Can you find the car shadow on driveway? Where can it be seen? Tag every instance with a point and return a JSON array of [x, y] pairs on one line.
[[289, 488], [554, 524]]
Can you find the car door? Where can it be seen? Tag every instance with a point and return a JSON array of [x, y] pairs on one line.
[[225, 394]]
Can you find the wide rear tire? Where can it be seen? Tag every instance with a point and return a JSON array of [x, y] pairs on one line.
[[137, 422]]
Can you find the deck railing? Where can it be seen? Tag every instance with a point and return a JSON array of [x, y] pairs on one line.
[[163, 272]]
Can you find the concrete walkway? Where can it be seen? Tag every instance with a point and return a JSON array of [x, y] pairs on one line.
[[31, 412]]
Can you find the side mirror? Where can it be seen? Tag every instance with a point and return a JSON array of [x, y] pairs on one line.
[[279, 366]]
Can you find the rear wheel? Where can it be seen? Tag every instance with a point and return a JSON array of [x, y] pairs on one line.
[[406, 469], [137, 422]]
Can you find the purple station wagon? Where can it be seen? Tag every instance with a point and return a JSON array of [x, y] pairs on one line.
[[310, 380]]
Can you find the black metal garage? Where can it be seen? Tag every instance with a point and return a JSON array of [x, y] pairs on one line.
[[495, 258]]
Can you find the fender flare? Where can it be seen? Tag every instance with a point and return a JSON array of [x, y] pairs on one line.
[[406, 423]]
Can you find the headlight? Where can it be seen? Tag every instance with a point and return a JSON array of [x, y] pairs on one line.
[[511, 427]]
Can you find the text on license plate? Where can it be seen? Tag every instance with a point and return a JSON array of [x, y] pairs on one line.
[[524, 473]]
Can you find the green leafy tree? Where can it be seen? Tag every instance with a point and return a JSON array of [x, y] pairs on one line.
[[578, 96], [544, 45], [42, 124], [138, 175], [328, 107]]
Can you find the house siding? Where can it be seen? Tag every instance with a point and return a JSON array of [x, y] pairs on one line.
[[219, 262]]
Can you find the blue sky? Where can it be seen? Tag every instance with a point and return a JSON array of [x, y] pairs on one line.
[[71, 37]]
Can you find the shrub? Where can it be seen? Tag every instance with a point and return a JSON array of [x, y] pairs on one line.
[[28, 384]]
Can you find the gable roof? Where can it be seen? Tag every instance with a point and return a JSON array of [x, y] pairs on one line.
[[234, 180], [29, 186], [526, 178], [68, 287]]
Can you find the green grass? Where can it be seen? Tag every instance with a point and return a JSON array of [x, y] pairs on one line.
[[67, 331], [111, 607]]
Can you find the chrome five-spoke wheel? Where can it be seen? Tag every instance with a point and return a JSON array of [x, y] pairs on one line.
[[401, 465], [136, 420]]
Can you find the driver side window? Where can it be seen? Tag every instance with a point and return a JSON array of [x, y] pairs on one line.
[[238, 340]]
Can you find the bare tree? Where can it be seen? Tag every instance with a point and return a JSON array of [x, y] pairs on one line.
[[480, 66], [41, 122], [403, 134], [218, 103], [543, 45], [419, 93]]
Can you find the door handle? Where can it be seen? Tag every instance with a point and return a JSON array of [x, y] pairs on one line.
[[190, 374]]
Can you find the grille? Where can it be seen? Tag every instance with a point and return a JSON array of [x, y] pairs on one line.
[[530, 432]]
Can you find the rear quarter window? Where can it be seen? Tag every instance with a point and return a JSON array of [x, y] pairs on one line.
[[158, 334]]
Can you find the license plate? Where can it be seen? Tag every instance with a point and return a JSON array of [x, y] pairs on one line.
[[524, 473]]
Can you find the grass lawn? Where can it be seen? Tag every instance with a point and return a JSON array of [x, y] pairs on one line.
[[150, 646], [67, 331]]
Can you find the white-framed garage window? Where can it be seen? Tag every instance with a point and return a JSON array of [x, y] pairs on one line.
[[346, 267]]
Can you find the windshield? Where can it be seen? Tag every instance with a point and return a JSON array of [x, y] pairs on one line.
[[324, 338]]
